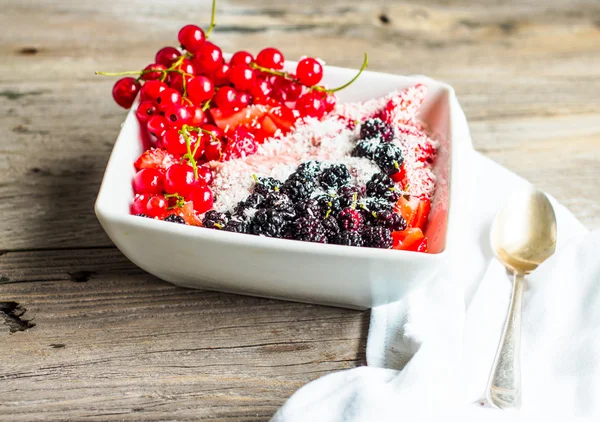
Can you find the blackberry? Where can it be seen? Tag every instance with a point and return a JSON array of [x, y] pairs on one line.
[[237, 225], [215, 220], [332, 229], [251, 202], [371, 205], [142, 215], [366, 148], [383, 187], [309, 230], [265, 185], [329, 204], [298, 189], [348, 238], [309, 170], [174, 218], [334, 177], [376, 128], [389, 219], [388, 157], [280, 202], [349, 195], [377, 237], [308, 208], [350, 219], [267, 223]]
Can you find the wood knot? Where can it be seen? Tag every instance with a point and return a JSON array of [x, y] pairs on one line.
[[12, 313]]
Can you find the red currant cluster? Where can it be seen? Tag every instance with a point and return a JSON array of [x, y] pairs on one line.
[[195, 106]]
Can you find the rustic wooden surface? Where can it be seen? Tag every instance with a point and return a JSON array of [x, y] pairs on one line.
[[113, 343]]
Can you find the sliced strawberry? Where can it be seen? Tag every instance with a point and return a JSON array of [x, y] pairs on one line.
[[249, 117], [400, 176], [189, 215], [155, 158], [283, 117], [411, 239], [268, 129], [241, 144], [415, 211]]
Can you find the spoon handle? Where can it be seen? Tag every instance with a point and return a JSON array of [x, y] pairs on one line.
[[504, 388]]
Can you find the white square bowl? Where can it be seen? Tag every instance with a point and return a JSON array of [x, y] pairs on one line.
[[335, 275]]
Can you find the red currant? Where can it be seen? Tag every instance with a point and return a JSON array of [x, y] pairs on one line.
[[125, 90], [242, 77], [241, 57], [206, 174], [330, 102], [153, 71], [148, 181], [198, 117], [200, 89], [145, 110], [261, 88], [192, 38], [178, 81], [151, 90], [270, 58], [139, 204], [178, 115], [309, 71], [167, 56], [179, 179], [156, 206], [201, 196], [221, 75], [157, 125], [209, 59], [243, 100], [226, 98], [311, 105], [188, 67], [167, 98], [214, 150]]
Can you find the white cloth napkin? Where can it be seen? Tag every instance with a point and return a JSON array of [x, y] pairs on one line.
[[430, 354]]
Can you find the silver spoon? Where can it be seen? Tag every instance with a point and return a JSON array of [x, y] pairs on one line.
[[523, 236]]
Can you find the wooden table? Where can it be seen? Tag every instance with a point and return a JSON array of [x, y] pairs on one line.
[[111, 342]]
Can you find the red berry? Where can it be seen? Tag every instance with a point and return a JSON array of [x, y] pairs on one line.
[[209, 59], [188, 67], [261, 89], [156, 71], [167, 56], [330, 101], [241, 144], [311, 105], [226, 98], [192, 38], [179, 179], [156, 206], [168, 98], [214, 150], [145, 110], [200, 89], [206, 174], [270, 58], [176, 81], [201, 196], [178, 115], [148, 180], [157, 125], [309, 71], [198, 117], [241, 57], [151, 90], [242, 77], [243, 100], [221, 75], [139, 204], [155, 158], [125, 90]]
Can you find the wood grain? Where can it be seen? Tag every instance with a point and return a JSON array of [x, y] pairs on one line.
[[113, 343]]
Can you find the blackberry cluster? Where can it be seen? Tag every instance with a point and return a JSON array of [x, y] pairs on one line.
[[174, 218], [318, 204], [388, 157], [375, 143], [377, 128]]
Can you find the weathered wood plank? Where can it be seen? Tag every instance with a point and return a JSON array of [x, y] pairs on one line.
[[126, 345]]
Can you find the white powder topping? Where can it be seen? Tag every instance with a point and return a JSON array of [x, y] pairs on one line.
[[331, 141]]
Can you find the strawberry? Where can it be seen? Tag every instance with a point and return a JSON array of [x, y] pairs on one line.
[[241, 144], [283, 117], [155, 158], [403, 108], [188, 214], [411, 239], [249, 117], [267, 130], [415, 211], [400, 176]]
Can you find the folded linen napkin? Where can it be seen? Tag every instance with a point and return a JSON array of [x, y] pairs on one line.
[[430, 354]]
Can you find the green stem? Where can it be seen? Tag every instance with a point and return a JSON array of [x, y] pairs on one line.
[[206, 105], [129, 73], [189, 155], [212, 19], [347, 84], [285, 75]]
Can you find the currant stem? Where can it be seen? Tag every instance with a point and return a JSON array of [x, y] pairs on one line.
[[347, 84], [212, 19], [206, 105], [188, 145], [285, 75]]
